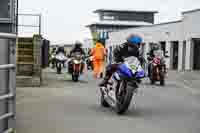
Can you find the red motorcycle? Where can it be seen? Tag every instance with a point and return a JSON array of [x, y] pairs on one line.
[[157, 70], [77, 66]]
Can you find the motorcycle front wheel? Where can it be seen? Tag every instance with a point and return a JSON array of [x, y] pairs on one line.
[[103, 102], [162, 79], [124, 98], [75, 77], [59, 68]]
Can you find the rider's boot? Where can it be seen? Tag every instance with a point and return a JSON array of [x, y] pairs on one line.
[[82, 68], [70, 67], [104, 82]]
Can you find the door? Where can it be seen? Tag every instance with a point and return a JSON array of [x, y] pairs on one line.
[[175, 55], [45, 53], [163, 47], [196, 57], [184, 54]]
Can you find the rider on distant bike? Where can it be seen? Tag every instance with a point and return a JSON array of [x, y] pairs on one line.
[[60, 50], [77, 49], [153, 52], [127, 49]]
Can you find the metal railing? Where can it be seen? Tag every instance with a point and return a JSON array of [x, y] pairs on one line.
[[10, 97], [39, 16]]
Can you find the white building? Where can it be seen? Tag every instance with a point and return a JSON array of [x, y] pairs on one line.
[[111, 20], [88, 44], [180, 38]]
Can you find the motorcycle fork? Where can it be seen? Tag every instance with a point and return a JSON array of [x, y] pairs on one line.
[[77, 68]]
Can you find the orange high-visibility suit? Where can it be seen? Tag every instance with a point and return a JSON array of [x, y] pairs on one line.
[[98, 52]]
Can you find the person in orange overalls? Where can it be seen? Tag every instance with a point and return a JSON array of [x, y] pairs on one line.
[[99, 53]]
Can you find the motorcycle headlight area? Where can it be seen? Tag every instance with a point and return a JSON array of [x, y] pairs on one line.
[[61, 57], [76, 62], [134, 68], [138, 71]]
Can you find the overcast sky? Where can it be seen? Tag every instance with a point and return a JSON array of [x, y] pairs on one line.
[[64, 21]]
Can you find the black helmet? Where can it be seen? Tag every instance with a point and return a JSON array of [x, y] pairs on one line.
[[54, 49], [78, 44], [61, 49], [156, 46]]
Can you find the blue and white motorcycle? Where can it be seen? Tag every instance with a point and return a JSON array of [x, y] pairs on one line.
[[122, 85]]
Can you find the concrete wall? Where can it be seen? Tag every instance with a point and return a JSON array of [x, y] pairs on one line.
[[88, 43], [180, 31], [29, 71], [163, 32], [191, 21], [156, 33]]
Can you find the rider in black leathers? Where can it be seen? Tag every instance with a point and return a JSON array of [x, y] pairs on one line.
[[61, 50], [127, 49], [151, 56], [77, 48]]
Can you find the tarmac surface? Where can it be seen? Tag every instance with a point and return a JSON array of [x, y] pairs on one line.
[[62, 106]]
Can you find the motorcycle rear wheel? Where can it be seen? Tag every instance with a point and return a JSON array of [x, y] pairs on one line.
[[152, 79], [162, 79], [152, 82], [59, 69]]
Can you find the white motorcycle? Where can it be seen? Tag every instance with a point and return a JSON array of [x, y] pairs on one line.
[[60, 61]]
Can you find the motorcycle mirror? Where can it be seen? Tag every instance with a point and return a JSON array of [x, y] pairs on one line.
[[148, 58]]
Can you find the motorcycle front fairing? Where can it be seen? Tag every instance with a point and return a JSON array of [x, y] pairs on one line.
[[126, 75], [124, 71], [131, 69], [76, 61], [61, 57]]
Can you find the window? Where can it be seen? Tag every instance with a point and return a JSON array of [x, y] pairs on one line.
[[163, 47], [108, 17], [5, 9]]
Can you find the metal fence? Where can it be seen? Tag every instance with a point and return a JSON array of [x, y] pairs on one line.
[[7, 82]]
